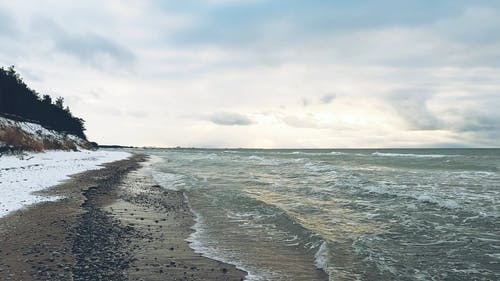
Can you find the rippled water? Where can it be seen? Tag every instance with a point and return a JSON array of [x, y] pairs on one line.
[[356, 214]]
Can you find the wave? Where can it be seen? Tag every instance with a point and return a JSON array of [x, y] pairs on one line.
[[338, 153], [319, 168], [443, 203], [422, 197], [270, 161], [321, 258], [169, 180], [198, 242], [256, 158], [318, 153], [383, 154]]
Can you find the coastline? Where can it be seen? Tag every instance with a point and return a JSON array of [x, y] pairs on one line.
[[113, 224]]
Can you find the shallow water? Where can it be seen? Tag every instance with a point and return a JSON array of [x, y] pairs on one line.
[[356, 214]]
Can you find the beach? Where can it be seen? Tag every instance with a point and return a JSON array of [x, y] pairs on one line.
[[114, 223]]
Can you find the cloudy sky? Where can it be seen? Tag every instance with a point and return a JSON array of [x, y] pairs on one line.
[[265, 73]]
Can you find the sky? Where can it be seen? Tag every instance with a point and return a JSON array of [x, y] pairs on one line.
[[265, 73]]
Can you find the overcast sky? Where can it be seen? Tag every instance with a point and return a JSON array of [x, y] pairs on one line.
[[257, 73]]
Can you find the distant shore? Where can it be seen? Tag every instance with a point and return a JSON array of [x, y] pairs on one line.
[[113, 224]]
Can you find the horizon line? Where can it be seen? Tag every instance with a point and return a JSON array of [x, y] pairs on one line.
[[285, 148]]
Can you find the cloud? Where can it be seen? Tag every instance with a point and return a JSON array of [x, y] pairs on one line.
[[230, 2], [138, 113], [305, 102], [89, 47], [478, 124], [484, 127], [450, 33], [305, 121], [411, 105], [229, 119], [424, 75], [296, 20], [475, 25], [326, 99], [93, 48], [7, 24]]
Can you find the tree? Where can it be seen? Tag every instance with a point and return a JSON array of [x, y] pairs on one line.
[[60, 102], [47, 99], [18, 100]]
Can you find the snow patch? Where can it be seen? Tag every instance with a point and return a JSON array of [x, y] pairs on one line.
[[39, 133], [22, 175]]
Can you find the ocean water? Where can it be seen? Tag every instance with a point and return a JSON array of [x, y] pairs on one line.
[[423, 214]]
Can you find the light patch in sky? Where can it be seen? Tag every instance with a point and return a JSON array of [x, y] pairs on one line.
[[257, 73]]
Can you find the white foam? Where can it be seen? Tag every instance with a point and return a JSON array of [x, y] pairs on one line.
[[318, 168], [321, 259], [411, 155], [417, 195], [197, 242], [376, 189], [264, 161], [494, 255], [257, 158], [443, 203], [169, 181]]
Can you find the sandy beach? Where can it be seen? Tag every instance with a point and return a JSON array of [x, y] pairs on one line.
[[113, 224]]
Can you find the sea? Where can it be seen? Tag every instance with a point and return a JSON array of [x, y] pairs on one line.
[[329, 214]]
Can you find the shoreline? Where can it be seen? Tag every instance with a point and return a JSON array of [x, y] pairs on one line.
[[113, 224]]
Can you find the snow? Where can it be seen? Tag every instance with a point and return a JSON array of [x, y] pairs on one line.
[[22, 175], [39, 132], [30, 128]]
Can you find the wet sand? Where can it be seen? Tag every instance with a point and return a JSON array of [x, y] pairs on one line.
[[114, 224]]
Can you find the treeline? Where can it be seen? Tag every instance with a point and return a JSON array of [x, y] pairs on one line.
[[21, 102]]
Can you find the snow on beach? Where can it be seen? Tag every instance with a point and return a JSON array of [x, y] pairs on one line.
[[22, 175]]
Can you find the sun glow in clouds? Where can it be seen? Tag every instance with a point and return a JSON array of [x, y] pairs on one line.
[[265, 73]]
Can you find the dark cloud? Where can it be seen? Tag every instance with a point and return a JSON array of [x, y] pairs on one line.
[[480, 123], [93, 47], [296, 19], [479, 127], [89, 47], [448, 33], [411, 105], [227, 118], [474, 118], [326, 99]]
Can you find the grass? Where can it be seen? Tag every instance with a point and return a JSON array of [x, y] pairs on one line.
[[18, 139]]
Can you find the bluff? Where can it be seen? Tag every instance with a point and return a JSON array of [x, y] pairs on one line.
[[30, 121]]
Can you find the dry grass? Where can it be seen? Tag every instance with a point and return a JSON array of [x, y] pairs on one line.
[[15, 137]]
